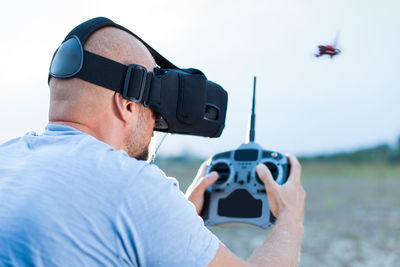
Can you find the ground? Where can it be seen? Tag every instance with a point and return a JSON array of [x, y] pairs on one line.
[[352, 214]]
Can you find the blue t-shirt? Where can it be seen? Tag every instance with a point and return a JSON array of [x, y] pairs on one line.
[[68, 199]]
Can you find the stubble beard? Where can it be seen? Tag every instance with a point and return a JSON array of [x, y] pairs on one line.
[[137, 144], [143, 155], [135, 149]]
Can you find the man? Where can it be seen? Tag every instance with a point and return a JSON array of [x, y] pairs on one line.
[[82, 194]]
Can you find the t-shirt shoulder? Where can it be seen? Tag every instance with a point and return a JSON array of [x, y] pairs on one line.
[[158, 226]]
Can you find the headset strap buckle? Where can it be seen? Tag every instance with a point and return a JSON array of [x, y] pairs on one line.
[[135, 83]]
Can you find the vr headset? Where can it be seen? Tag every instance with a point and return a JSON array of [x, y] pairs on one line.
[[184, 100]]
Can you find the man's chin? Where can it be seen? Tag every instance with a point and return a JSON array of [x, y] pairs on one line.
[[144, 155]]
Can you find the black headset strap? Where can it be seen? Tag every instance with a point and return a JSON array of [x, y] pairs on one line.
[[132, 81], [84, 30]]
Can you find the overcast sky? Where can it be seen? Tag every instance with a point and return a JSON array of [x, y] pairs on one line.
[[305, 105]]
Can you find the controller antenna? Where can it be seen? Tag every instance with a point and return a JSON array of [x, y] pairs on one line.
[[252, 131]]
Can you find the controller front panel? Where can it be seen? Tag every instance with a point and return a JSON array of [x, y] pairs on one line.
[[239, 196]]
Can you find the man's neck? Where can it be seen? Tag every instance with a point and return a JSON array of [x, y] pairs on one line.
[[79, 126], [109, 135]]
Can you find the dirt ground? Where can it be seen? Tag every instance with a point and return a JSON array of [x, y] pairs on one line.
[[352, 215]]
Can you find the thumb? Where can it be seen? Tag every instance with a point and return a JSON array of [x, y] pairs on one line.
[[205, 182], [202, 170], [266, 177]]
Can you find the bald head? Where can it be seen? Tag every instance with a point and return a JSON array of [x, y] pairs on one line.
[[69, 98], [120, 46], [93, 108]]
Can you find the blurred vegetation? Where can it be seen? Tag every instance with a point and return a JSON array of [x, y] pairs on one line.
[[382, 153]]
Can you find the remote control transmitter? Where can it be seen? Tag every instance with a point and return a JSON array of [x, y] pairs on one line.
[[239, 196]]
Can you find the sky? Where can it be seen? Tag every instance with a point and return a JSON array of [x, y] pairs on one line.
[[305, 105]]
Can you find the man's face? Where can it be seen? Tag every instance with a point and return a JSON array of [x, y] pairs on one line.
[[138, 140]]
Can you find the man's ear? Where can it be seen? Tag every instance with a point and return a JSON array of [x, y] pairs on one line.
[[124, 108]]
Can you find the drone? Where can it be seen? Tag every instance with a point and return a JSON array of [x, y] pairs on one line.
[[330, 50]]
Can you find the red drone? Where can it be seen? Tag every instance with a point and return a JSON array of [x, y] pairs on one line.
[[329, 50]]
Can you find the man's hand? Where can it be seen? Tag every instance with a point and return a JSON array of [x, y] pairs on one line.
[[286, 201], [195, 192], [282, 246]]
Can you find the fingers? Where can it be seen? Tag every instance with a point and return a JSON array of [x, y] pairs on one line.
[[272, 188], [295, 169], [205, 182], [202, 171], [266, 177]]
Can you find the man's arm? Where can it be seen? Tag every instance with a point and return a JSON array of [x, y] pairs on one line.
[[282, 246]]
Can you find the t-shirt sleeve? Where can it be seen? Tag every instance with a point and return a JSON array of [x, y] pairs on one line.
[[157, 226]]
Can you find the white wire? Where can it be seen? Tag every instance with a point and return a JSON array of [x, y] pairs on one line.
[[153, 156]]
